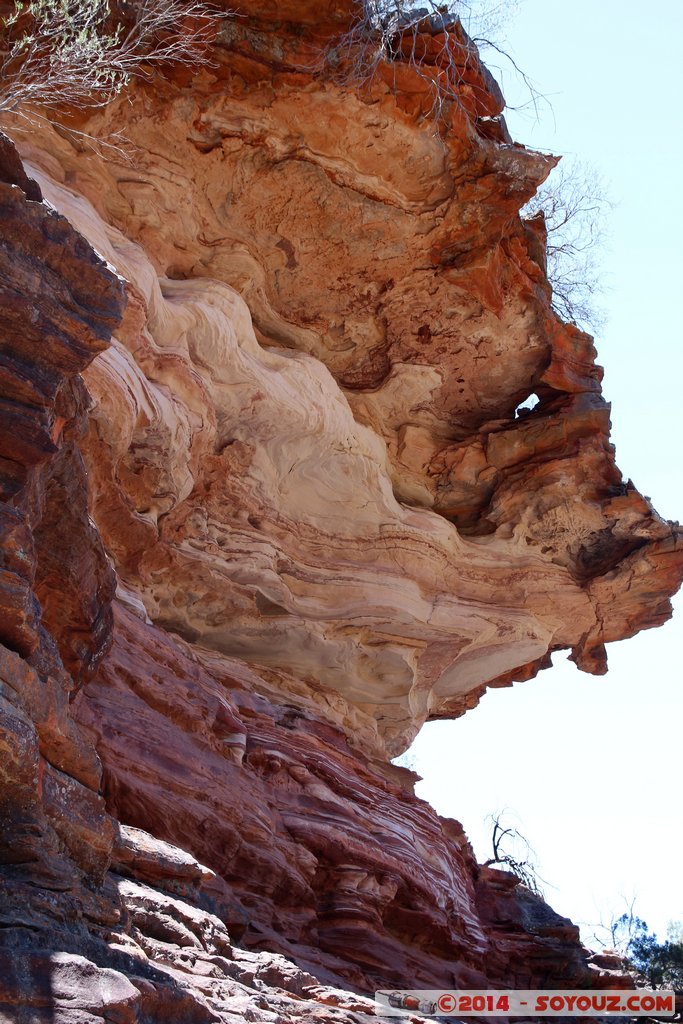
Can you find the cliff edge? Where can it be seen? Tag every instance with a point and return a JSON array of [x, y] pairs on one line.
[[269, 502]]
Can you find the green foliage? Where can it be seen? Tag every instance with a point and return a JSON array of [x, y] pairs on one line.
[[49, 41], [82, 53], [660, 963], [656, 964]]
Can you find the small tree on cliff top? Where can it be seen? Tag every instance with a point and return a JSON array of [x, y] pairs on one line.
[[513, 852], [391, 33], [82, 53]]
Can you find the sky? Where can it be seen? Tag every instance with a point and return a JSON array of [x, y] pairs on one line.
[[590, 767]]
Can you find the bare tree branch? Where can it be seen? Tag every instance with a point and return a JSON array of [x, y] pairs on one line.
[[82, 53], [435, 40], [574, 205], [512, 851]]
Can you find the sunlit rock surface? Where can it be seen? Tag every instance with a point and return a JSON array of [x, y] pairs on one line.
[[269, 504]]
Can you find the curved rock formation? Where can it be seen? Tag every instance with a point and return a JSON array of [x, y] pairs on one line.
[[270, 502]]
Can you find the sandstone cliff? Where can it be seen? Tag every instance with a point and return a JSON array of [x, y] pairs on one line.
[[267, 507]]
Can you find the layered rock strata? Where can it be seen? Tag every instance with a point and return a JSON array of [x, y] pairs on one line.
[[269, 503]]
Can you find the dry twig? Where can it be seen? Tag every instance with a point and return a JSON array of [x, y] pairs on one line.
[[82, 53]]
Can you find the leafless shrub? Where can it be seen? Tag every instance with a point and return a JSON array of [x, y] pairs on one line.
[[487, 18], [438, 41], [82, 53], [574, 205], [513, 852], [618, 931]]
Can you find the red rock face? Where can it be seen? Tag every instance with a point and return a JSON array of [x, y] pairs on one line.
[[328, 856], [280, 424], [59, 304]]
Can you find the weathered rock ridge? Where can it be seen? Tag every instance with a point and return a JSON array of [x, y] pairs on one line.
[[268, 505]]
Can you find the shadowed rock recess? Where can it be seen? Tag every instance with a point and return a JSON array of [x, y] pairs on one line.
[[267, 507]]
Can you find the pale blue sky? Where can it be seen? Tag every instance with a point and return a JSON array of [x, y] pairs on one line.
[[592, 766]]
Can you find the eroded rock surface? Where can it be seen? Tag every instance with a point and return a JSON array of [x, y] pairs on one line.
[[268, 505]]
